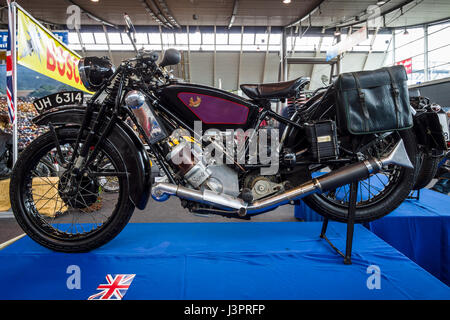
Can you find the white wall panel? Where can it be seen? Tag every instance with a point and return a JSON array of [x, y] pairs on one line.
[[201, 66], [252, 67], [227, 64]]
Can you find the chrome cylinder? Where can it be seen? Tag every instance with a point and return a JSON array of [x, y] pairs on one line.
[[145, 116]]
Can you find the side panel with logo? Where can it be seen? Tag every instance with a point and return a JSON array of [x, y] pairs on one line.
[[214, 110], [213, 107]]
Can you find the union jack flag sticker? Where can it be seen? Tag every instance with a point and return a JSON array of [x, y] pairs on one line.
[[115, 289]]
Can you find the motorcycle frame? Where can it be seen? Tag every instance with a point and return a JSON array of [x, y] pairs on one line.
[[155, 149]]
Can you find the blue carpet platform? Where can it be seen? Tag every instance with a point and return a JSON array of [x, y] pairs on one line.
[[221, 261], [420, 229]]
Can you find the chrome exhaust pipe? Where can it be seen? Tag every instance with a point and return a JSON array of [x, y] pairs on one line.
[[327, 182]]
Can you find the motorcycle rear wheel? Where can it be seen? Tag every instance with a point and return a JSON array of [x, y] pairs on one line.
[[76, 224], [378, 204], [392, 195]]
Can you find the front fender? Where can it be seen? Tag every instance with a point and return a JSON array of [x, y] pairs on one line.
[[122, 137]]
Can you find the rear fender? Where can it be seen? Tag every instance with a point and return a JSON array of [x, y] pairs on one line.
[[428, 131], [123, 138]]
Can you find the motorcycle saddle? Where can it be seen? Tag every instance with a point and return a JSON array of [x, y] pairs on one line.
[[277, 90]]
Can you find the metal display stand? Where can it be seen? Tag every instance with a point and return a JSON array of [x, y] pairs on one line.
[[350, 226]]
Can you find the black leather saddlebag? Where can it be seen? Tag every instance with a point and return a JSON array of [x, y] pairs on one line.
[[374, 101]]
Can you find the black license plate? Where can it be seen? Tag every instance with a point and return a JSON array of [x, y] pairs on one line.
[[58, 99]]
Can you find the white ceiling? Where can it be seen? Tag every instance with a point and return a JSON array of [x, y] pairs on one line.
[[248, 13]]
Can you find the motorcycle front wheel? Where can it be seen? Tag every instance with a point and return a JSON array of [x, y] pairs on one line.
[[75, 216]]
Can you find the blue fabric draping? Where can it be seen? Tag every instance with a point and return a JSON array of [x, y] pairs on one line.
[[221, 261]]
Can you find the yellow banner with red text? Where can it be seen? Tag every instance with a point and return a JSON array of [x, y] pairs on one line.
[[38, 50]]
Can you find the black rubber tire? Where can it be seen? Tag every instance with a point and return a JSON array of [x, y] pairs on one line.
[[427, 170], [381, 208], [118, 220]]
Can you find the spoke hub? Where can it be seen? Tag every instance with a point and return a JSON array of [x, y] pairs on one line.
[[78, 193]]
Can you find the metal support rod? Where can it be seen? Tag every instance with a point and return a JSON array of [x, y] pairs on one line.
[[283, 64], [189, 55], [83, 49], [393, 46], [284, 54], [108, 44], [331, 74], [240, 59], [370, 49], [269, 29], [14, 77], [214, 59], [162, 42], [316, 55], [425, 52]]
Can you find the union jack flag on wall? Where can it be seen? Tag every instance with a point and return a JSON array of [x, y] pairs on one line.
[[115, 289], [10, 72]]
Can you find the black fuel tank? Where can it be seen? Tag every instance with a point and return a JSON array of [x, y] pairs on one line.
[[215, 108]]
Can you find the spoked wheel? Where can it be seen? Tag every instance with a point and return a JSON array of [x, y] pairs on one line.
[[380, 193], [64, 211], [108, 183]]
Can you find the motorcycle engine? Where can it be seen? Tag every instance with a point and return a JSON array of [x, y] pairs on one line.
[[185, 154]]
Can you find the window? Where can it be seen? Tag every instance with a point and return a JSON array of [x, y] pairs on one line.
[[168, 38], [181, 38], [248, 38], [438, 27], [154, 38], [96, 47], [327, 43], [261, 39], [409, 50], [100, 37], [235, 38], [126, 38], [114, 38], [439, 72], [208, 38], [439, 38], [141, 38], [87, 38], [439, 51], [275, 38], [222, 38], [306, 43], [413, 34], [73, 38], [439, 56], [382, 42], [195, 38]]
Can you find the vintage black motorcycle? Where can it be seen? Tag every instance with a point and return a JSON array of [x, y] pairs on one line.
[[335, 139]]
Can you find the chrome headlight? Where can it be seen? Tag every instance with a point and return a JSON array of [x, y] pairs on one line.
[[94, 71]]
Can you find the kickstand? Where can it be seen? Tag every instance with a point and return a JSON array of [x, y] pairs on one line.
[[350, 226]]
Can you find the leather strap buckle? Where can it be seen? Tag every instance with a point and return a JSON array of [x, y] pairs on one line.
[[362, 96]]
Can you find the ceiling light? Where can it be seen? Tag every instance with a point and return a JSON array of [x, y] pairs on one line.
[[337, 33], [286, 1], [380, 3], [94, 0], [406, 32]]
